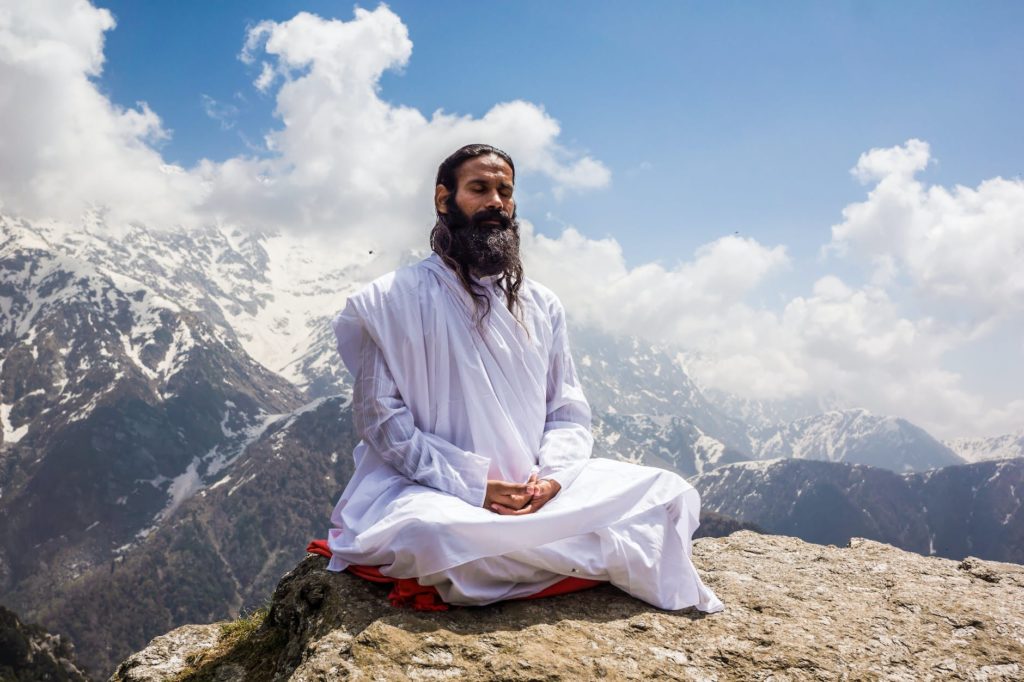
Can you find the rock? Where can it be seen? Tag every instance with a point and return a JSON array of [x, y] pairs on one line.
[[794, 610], [169, 654], [29, 652]]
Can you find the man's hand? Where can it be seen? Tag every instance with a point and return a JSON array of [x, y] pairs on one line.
[[540, 492], [545, 490], [505, 497]]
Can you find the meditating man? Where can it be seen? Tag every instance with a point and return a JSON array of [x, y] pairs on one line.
[[474, 472]]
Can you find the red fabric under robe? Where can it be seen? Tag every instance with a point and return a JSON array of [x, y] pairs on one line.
[[406, 592]]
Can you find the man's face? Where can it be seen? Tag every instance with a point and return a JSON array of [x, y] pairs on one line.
[[483, 183], [481, 216]]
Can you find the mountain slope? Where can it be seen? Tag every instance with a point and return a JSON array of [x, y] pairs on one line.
[[956, 511], [624, 376], [222, 550], [668, 442], [274, 295], [117, 403]]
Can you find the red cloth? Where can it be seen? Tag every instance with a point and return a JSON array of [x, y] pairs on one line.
[[409, 593]]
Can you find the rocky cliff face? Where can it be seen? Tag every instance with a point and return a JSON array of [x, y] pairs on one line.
[[28, 652], [793, 610]]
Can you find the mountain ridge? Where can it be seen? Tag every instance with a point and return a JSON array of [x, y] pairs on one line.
[[970, 509]]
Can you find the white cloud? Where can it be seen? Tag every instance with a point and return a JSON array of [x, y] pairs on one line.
[[342, 162], [962, 246], [64, 145], [856, 340], [350, 164], [591, 275], [700, 304], [851, 342]]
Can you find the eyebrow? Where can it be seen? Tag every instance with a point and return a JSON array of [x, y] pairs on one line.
[[486, 181]]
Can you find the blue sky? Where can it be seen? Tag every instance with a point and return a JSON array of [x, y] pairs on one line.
[[712, 117]]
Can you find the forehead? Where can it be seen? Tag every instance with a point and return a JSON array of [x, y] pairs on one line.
[[489, 167]]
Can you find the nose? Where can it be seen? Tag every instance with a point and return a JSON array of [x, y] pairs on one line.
[[494, 200]]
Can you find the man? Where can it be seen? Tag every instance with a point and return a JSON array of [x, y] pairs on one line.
[[474, 472]]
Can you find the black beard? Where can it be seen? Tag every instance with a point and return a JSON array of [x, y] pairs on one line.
[[486, 249]]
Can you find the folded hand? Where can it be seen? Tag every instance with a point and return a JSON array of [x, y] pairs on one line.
[[539, 492], [508, 495]]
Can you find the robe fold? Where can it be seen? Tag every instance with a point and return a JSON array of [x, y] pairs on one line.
[[442, 406]]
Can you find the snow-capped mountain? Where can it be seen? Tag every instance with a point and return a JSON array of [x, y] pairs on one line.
[[955, 511], [648, 410], [273, 294], [625, 375], [983, 449], [117, 403], [855, 437]]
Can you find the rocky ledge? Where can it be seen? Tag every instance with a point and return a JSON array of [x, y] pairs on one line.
[[794, 610]]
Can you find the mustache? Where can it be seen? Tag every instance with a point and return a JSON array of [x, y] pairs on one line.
[[487, 215]]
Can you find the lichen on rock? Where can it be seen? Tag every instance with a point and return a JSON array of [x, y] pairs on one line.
[[794, 610]]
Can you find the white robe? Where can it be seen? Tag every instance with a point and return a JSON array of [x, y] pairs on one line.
[[442, 408]]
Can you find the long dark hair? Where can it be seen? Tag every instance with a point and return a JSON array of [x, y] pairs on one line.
[[508, 281]]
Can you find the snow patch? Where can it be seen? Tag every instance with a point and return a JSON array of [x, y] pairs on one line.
[[11, 434]]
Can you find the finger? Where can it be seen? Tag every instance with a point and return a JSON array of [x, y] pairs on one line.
[[516, 501], [507, 488], [531, 484], [540, 500], [513, 500], [509, 511]]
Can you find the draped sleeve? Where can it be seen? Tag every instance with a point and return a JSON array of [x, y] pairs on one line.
[[386, 424], [567, 442]]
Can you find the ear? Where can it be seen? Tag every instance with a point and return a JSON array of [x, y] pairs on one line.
[[440, 198]]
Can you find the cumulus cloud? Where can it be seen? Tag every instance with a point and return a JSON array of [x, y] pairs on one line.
[[961, 245], [856, 340], [686, 302], [342, 162], [348, 163], [64, 145]]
